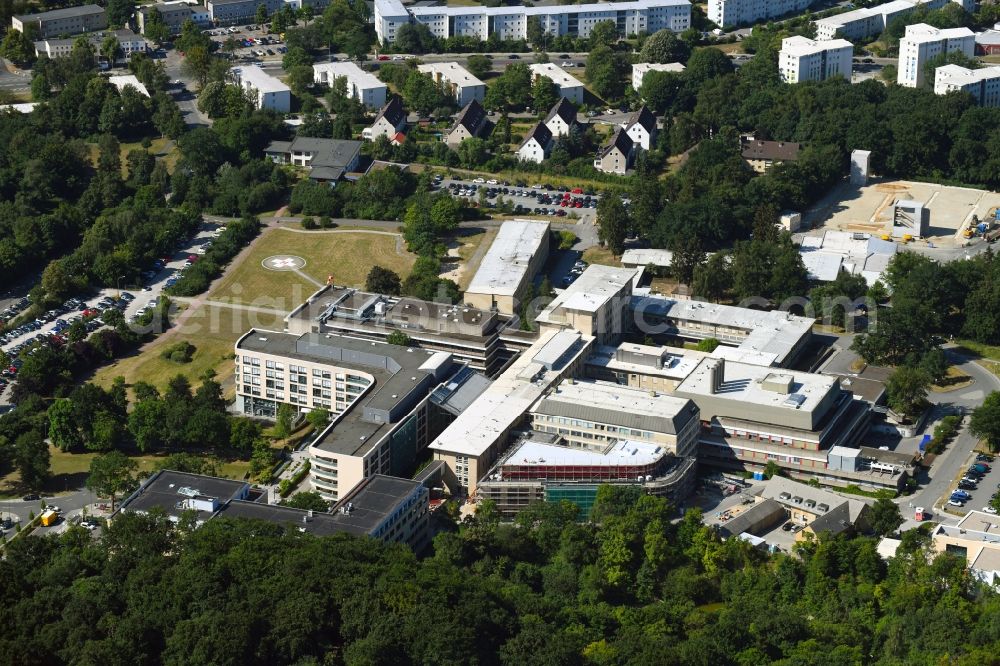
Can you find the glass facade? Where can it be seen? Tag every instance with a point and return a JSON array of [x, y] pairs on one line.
[[581, 495]]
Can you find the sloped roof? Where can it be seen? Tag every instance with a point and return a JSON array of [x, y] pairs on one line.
[[565, 109], [643, 117], [392, 111], [540, 133], [756, 149], [471, 118], [620, 140]]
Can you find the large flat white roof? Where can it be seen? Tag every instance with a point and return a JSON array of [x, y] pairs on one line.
[[646, 256], [504, 268], [355, 74], [774, 332], [657, 67], [595, 286], [558, 75], [452, 72], [626, 452], [389, 8], [957, 75], [606, 395], [857, 253], [803, 46], [676, 363], [921, 32], [511, 395], [752, 385], [259, 79]]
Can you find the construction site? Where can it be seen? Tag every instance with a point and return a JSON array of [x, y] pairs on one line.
[[908, 212]]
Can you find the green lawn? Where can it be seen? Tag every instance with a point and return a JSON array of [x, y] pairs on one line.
[[161, 148], [69, 471], [344, 255], [213, 330], [600, 255]]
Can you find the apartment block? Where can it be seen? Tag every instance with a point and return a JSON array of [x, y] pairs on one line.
[[569, 86], [923, 42], [174, 14], [270, 92], [510, 23], [456, 81], [983, 84], [728, 13], [229, 12], [869, 22], [803, 59], [640, 69], [66, 21], [361, 85], [761, 155], [518, 252]]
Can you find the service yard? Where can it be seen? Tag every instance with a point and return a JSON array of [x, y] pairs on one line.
[[868, 209]]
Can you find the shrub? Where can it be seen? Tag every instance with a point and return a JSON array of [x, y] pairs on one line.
[[309, 223], [567, 239], [181, 352]]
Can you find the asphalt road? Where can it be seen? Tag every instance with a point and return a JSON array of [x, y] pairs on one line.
[[941, 479]]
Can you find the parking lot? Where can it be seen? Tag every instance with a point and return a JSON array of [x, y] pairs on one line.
[[538, 200], [979, 485], [132, 300], [253, 42]]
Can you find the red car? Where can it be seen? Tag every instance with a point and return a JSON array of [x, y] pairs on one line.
[[383, 57], [90, 312], [577, 190], [192, 258]]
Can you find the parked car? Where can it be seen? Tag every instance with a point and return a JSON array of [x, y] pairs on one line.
[[956, 502]]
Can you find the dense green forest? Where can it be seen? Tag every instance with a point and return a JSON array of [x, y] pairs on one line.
[[631, 588]]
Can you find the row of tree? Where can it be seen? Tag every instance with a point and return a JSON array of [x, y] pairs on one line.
[[631, 586]]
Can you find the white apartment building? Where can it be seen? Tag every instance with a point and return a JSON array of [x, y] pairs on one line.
[[983, 84], [870, 21], [631, 17], [361, 85], [459, 81], [803, 59], [640, 69], [271, 93], [726, 13], [570, 87], [923, 42]]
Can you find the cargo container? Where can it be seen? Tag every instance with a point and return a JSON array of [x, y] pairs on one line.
[[49, 517]]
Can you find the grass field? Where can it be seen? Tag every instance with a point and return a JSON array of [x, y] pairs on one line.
[[212, 329], [345, 255], [161, 148], [600, 255], [70, 470]]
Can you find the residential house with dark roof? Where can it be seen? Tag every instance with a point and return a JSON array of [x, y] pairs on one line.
[[561, 118], [328, 159], [390, 121], [616, 156], [470, 122], [641, 128], [536, 145], [762, 155]]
